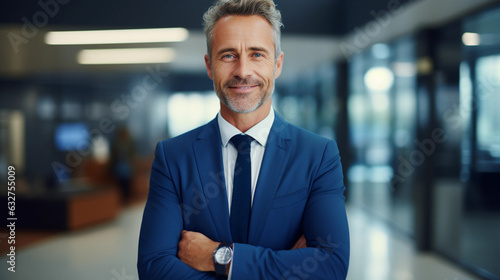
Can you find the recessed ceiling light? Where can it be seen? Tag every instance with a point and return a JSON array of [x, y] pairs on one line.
[[471, 39], [126, 56], [119, 36]]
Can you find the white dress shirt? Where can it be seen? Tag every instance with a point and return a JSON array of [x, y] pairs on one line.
[[259, 132]]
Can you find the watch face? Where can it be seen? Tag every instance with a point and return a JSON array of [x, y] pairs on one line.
[[223, 255]]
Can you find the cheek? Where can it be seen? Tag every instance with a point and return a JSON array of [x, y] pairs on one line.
[[219, 70], [268, 71]]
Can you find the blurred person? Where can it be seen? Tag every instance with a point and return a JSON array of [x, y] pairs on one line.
[[122, 161], [248, 195]]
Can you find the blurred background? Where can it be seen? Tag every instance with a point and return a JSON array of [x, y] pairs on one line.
[[408, 89]]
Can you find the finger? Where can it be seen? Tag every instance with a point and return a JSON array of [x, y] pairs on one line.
[[301, 243]]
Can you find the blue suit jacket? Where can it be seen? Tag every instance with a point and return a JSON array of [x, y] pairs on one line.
[[299, 191]]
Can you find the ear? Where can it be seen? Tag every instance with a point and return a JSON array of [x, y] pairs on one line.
[[209, 67], [279, 65]]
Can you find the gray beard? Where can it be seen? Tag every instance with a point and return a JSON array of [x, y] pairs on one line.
[[226, 101]]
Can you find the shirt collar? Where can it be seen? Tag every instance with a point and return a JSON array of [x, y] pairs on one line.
[[259, 132]]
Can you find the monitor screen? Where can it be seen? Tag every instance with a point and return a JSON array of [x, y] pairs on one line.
[[72, 137]]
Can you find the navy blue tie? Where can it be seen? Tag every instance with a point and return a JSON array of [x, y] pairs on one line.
[[242, 189]]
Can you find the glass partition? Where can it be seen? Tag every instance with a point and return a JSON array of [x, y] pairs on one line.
[[467, 220], [382, 110]]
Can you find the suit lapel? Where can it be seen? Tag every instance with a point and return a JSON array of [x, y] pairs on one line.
[[271, 171], [208, 154]]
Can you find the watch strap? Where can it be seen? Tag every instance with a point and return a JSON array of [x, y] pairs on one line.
[[220, 269]]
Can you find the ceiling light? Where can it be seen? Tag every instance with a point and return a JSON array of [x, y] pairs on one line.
[[119, 36], [471, 39], [126, 56], [379, 79]]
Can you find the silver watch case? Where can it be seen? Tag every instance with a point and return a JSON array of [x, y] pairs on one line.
[[223, 255]]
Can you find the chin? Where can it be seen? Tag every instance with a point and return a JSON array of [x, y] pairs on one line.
[[243, 109]]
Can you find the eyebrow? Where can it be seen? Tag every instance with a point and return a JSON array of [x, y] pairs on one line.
[[258, 49]]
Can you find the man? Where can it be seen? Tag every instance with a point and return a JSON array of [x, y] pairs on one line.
[[246, 196]]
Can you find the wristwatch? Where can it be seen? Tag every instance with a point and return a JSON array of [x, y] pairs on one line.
[[222, 257]]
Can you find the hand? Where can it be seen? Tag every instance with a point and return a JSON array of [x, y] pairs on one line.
[[196, 250], [301, 243]]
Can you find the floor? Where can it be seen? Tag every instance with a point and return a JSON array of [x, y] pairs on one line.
[[109, 252], [380, 253]]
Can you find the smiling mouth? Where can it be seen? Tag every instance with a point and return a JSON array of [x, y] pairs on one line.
[[243, 87]]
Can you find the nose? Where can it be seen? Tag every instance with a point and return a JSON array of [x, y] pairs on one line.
[[243, 68]]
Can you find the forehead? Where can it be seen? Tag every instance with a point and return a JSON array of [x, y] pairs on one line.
[[236, 29]]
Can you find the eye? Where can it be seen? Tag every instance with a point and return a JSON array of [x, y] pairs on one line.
[[258, 55], [227, 56]]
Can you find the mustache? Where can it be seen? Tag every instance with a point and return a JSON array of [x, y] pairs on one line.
[[242, 82]]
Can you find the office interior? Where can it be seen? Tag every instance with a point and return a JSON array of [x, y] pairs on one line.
[[408, 89]]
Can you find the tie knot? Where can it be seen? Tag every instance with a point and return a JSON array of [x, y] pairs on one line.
[[242, 142]]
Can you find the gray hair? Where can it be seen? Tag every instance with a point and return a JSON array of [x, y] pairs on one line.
[[264, 8]]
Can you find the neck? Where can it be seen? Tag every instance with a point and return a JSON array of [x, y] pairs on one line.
[[245, 121]]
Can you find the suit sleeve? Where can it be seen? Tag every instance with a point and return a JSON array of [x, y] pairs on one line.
[[325, 228], [161, 227]]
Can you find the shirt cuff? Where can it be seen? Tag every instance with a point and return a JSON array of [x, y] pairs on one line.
[[230, 274]]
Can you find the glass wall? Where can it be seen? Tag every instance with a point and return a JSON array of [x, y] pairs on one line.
[[382, 110], [311, 101], [467, 209], [425, 138]]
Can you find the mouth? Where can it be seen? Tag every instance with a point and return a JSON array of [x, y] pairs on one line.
[[243, 88]]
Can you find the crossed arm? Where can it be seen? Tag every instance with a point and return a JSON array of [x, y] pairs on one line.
[[166, 251], [195, 250]]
